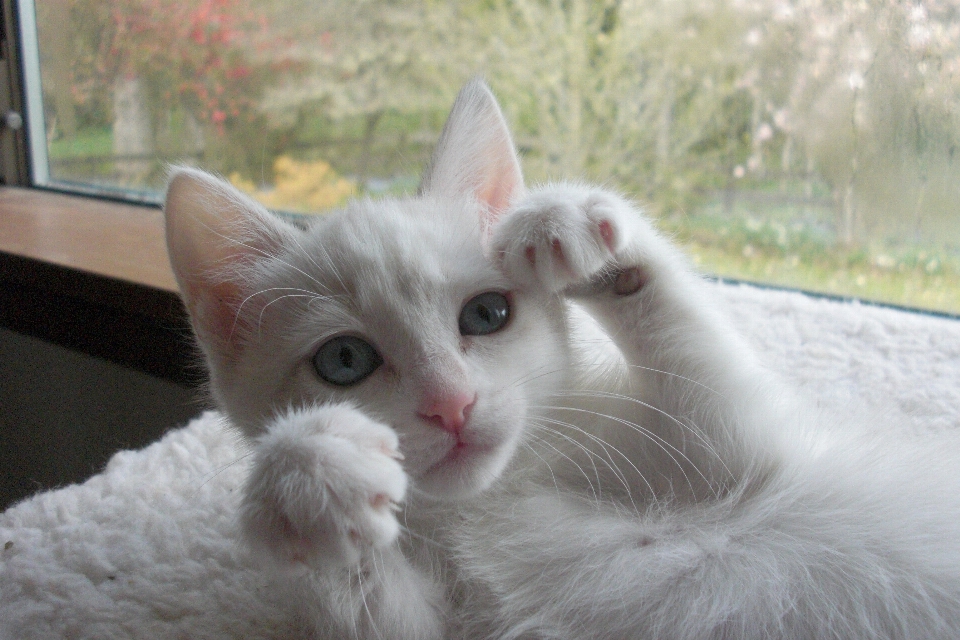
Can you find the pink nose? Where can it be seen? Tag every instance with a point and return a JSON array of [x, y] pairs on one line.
[[449, 413]]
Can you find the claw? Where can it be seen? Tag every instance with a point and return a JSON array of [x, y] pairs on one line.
[[390, 451], [382, 501]]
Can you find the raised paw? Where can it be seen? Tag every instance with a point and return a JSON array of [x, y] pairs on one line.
[[325, 487], [565, 236]]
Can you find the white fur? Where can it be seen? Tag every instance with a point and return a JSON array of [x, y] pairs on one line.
[[329, 479], [664, 486]]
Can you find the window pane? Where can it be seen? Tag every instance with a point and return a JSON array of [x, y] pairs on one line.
[[805, 143]]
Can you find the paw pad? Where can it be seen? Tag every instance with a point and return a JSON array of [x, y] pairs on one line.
[[629, 281]]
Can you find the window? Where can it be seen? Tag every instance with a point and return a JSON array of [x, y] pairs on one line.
[[796, 142]]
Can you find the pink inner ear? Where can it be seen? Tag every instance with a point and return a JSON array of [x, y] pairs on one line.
[[215, 310], [475, 155], [498, 190]]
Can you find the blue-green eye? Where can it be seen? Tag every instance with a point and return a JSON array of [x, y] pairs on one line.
[[485, 313], [346, 360]]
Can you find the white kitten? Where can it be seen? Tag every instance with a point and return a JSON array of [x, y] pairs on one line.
[[580, 445]]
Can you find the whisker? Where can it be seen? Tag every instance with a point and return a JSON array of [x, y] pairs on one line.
[[691, 428], [329, 260], [363, 598], [529, 376], [303, 252], [265, 254], [312, 297], [413, 534], [664, 445], [608, 462], [593, 490], [263, 291], [379, 569], [530, 448], [677, 375], [596, 491], [216, 472], [236, 316]]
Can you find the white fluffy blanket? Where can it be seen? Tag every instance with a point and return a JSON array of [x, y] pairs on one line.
[[147, 548]]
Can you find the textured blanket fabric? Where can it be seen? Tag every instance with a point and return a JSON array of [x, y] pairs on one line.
[[147, 548]]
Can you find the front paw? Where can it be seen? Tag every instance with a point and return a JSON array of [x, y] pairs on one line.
[[324, 487], [567, 237]]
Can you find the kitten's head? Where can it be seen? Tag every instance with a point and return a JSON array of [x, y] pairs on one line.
[[392, 306]]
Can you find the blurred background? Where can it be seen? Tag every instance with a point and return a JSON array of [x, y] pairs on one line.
[[805, 143]]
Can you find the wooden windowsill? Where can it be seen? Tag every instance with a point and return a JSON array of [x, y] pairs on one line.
[[120, 241], [93, 275]]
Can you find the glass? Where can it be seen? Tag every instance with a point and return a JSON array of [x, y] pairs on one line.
[[806, 143]]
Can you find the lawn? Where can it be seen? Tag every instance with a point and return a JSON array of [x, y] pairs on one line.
[[910, 286], [796, 247], [96, 143]]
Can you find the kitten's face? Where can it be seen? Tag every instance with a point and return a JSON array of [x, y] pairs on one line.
[[396, 305], [391, 306]]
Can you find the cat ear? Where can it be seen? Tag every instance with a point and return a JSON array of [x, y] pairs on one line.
[[475, 154], [215, 235]]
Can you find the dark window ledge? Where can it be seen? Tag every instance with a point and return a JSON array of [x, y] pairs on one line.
[[93, 276]]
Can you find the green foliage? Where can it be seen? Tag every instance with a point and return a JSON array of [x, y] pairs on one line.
[[89, 142]]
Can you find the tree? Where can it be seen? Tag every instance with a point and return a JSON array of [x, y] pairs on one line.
[[365, 58], [183, 77], [645, 92], [873, 98]]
